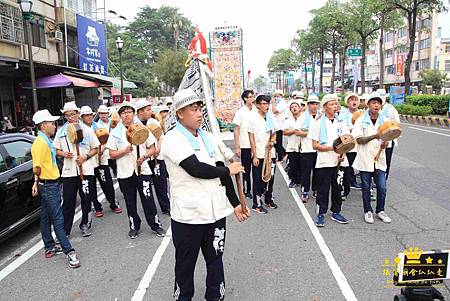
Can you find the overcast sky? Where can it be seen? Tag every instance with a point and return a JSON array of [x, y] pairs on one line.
[[266, 27]]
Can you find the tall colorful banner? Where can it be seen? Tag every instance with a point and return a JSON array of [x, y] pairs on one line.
[[91, 45], [400, 64], [226, 45]]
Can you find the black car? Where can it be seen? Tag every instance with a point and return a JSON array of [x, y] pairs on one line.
[[17, 207]]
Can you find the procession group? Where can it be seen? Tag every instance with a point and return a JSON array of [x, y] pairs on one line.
[[193, 161], [312, 127]]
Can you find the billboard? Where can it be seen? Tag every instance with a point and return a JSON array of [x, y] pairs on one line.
[[91, 45]]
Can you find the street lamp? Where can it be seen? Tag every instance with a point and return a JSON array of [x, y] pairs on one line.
[[25, 7], [119, 46]]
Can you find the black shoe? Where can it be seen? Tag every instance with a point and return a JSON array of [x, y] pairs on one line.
[[248, 195], [133, 233], [158, 231], [85, 231], [166, 212], [272, 205], [292, 185]]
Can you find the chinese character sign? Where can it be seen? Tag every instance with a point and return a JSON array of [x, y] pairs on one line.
[[400, 64], [226, 43], [91, 45]]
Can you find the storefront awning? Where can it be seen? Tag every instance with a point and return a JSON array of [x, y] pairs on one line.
[[61, 80], [115, 82]]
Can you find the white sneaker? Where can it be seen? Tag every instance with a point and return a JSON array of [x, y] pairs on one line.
[[73, 260], [368, 217], [383, 216]]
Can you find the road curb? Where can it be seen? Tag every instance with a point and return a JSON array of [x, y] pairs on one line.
[[427, 120]]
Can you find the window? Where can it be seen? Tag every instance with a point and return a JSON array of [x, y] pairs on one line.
[[425, 64], [388, 53], [19, 152], [10, 24], [424, 44], [415, 46], [402, 32], [327, 70], [447, 48], [447, 65], [390, 69], [388, 37], [416, 65], [3, 167], [328, 62], [426, 23], [37, 32]]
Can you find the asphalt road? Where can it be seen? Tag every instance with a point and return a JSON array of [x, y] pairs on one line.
[[278, 256]]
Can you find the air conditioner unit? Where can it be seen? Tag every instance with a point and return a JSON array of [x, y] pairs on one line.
[[55, 35]]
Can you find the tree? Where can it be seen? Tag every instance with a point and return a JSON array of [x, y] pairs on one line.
[[170, 68], [433, 78], [412, 10], [260, 83], [158, 29], [366, 21], [281, 61]]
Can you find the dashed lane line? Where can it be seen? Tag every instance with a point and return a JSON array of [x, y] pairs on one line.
[[335, 269], [33, 250]]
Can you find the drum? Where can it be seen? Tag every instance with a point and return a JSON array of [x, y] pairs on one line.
[[356, 115], [389, 130], [102, 135], [137, 134], [115, 118], [343, 144], [74, 133], [155, 130]]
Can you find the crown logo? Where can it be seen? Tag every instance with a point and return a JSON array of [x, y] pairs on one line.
[[413, 256]]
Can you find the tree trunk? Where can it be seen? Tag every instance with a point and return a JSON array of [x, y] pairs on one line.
[[306, 77], [313, 73], [412, 20], [342, 67], [333, 71], [381, 77], [321, 71], [363, 64]]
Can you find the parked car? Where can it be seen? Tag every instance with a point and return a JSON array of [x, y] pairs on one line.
[[17, 207]]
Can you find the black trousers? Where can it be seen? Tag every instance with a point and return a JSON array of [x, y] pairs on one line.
[[327, 177], [260, 188], [85, 189], [308, 163], [103, 175], [294, 167], [389, 152], [188, 239], [279, 145], [112, 163], [159, 178], [246, 160], [129, 187], [349, 173]]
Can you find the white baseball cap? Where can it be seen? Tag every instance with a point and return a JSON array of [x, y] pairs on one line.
[[42, 116], [313, 98], [185, 97], [142, 103], [298, 94], [86, 110], [103, 109], [163, 108], [126, 104], [277, 92], [70, 106], [299, 102], [327, 98], [351, 95]]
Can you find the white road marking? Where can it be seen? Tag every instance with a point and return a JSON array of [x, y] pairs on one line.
[[151, 269], [428, 131], [33, 250], [335, 269], [427, 127]]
